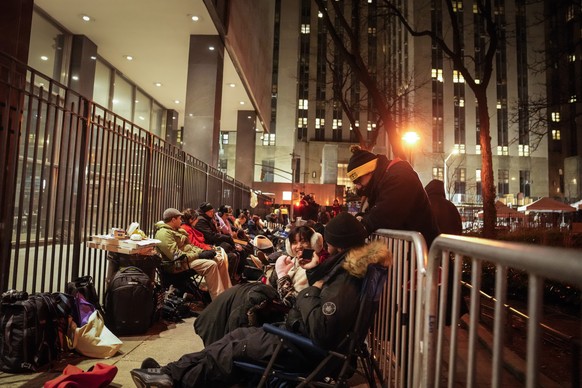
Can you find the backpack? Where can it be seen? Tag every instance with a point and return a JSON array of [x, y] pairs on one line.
[[130, 302], [29, 331], [86, 287]]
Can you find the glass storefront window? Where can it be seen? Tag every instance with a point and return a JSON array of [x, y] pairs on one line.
[[122, 97], [143, 105], [101, 85], [158, 124], [45, 53]]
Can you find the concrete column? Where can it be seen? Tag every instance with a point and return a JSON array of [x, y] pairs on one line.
[[245, 146], [329, 164], [172, 127], [203, 98], [82, 69]]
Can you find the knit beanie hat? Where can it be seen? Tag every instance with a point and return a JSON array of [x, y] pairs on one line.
[[345, 231], [205, 206], [361, 163]]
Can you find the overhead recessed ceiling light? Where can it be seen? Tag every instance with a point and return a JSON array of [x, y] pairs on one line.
[[141, 118], [242, 102], [128, 57], [44, 58], [75, 77], [158, 84], [93, 57], [177, 101], [232, 85], [211, 48], [195, 18], [86, 18], [190, 115], [249, 117]]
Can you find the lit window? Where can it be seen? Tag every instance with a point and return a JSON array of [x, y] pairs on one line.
[[305, 29], [573, 98], [458, 77], [572, 57], [478, 175], [319, 123], [438, 173], [269, 139], [461, 103], [523, 150], [224, 138], [478, 149], [498, 104], [556, 117], [302, 104], [437, 74], [556, 134], [457, 6], [459, 148], [503, 150], [302, 122]]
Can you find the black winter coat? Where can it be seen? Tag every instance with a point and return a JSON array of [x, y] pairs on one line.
[[445, 212], [397, 200], [212, 235]]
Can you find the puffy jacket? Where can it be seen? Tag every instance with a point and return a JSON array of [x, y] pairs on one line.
[[326, 315], [174, 243]]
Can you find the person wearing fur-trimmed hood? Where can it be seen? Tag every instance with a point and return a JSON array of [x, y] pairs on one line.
[[323, 312]]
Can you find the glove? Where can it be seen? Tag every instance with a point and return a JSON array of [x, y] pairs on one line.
[[283, 266], [208, 255]]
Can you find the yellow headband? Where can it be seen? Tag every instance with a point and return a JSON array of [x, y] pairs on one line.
[[362, 170]]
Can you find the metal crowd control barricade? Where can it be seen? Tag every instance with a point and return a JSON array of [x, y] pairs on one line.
[[395, 339], [538, 263]]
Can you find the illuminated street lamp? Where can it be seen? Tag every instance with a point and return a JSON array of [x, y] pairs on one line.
[[410, 138], [445, 176]]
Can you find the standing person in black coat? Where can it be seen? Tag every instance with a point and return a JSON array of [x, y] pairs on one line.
[[394, 196], [449, 221], [445, 212], [323, 312]]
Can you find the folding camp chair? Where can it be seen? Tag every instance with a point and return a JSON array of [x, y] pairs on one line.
[[355, 358], [187, 281]]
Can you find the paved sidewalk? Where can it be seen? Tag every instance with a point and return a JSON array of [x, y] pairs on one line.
[[164, 341]]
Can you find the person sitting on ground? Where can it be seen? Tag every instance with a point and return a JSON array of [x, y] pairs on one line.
[[207, 226], [324, 312], [289, 277], [189, 221], [174, 243], [223, 217], [241, 222], [255, 226]]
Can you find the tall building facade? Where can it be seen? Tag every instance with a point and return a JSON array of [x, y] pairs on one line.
[[564, 80], [427, 95], [446, 110]]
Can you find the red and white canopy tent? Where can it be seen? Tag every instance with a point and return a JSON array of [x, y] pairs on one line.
[[547, 205], [504, 211]]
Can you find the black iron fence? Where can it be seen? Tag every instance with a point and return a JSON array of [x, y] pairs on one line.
[[70, 168]]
